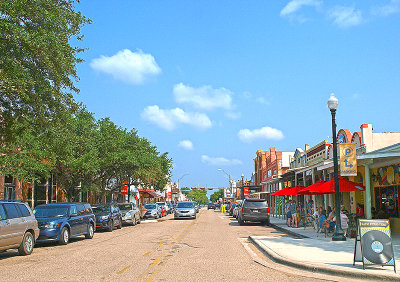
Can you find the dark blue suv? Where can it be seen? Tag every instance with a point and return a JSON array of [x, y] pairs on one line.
[[60, 222], [108, 216]]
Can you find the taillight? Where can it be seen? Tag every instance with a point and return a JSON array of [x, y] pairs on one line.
[[242, 209], [267, 210]]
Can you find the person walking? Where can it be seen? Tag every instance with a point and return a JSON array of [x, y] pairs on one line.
[[288, 214], [293, 210]]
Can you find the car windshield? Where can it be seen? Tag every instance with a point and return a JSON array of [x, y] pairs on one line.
[[256, 204], [125, 207], [150, 207], [185, 205], [101, 209], [51, 211]]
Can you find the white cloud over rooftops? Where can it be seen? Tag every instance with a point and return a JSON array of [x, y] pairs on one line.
[[186, 144], [219, 161], [264, 133], [170, 119], [204, 97], [128, 66]]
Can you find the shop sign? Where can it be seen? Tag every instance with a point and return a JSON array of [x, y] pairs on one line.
[[348, 159], [373, 245], [124, 188], [169, 195], [246, 191]]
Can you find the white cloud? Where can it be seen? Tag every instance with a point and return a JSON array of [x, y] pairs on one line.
[[262, 100], [345, 16], [205, 97], [219, 161], [391, 8], [169, 119], [295, 5], [128, 66], [186, 144], [264, 133], [233, 115]]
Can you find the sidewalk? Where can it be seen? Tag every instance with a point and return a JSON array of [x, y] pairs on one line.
[[312, 251]]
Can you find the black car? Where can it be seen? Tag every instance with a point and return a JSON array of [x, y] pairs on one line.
[[254, 210], [211, 206], [108, 216]]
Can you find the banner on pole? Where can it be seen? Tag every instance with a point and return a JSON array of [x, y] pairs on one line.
[[348, 159]]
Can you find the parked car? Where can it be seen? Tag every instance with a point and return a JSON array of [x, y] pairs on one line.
[[153, 211], [18, 227], [164, 207], [130, 213], [236, 209], [62, 221], [254, 210], [171, 208], [232, 208], [108, 216], [196, 206], [211, 206], [185, 210]]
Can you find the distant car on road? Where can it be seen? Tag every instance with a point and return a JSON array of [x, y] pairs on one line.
[[130, 213], [153, 211], [164, 208], [18, 227], [254, 210], [185, 210], [211, 206], [108, 216], [62, 221], [196, 206]]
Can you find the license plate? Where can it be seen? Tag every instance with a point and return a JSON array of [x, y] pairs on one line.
[[256, 211]]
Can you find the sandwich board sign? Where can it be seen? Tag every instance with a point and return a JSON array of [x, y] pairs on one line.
[[373, 245]]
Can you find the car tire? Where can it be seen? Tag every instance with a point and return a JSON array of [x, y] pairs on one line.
[[267, 223], [119, 226], [139, 220], [240, 221], [64, 236], [110, 227], [90, 231], [26, 247]]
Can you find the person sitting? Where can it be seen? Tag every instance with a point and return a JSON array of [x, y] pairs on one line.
[[331, 225], [360, 210], [321, 219], [344, 223]]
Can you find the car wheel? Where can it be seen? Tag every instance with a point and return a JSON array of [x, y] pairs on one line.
[[27, 244], [64, 237], [240, 221], [139, 220], [90, 231], [119, 226], [110, 226]]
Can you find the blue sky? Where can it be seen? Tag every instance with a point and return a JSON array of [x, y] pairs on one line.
[[211, 82]]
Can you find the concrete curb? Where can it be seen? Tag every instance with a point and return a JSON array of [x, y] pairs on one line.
[[323, 269]]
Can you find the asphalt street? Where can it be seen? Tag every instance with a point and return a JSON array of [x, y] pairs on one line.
[[212, 247]]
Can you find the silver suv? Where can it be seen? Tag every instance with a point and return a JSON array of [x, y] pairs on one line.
[[18, 227]]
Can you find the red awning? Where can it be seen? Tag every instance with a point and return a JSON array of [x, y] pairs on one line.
[[281, 192], [295, 190], [288, 191], [344, 186], [307, 190]]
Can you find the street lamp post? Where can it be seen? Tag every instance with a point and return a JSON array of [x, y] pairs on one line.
[[230, 179], [338, 235]]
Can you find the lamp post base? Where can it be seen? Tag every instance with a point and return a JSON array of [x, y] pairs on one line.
[[338, 237]]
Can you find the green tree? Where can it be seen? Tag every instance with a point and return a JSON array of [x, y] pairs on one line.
[[199, 196], [37, 62], [216, 195], [185, 190]]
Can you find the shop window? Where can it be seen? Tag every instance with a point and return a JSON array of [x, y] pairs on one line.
[[387, 201]]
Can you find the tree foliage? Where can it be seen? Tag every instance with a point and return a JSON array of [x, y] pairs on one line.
[[217, 195], [37, 62], [198, 196]]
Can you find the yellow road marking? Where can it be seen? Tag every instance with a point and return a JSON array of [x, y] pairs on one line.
[[124, 269], [161, 243], [146, 254], [171, 236]]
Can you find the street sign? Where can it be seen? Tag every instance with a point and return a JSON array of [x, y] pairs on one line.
[[348, 159], [375, 243]]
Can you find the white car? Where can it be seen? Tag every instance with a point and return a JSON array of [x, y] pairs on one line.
[[130, 213], [167, 208]]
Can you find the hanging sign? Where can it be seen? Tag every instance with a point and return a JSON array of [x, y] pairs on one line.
[[124, 188], [348, 159], [246, 191], [374, 243]]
